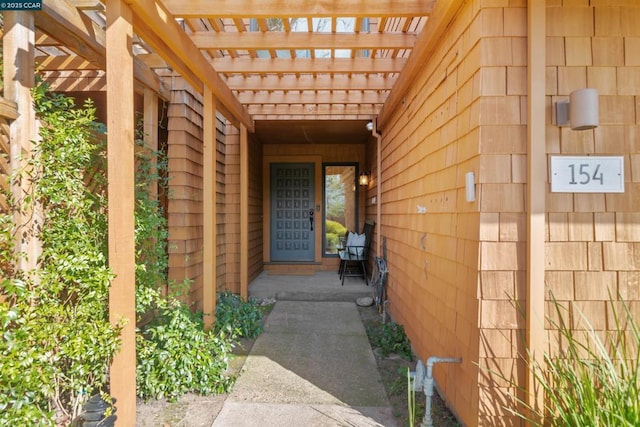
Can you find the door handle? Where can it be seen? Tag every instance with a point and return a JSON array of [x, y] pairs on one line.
[[311, 214]]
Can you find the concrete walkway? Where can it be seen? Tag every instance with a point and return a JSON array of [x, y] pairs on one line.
[[312, 365]]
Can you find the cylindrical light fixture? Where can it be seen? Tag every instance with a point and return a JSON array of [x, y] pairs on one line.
[[583, 109]]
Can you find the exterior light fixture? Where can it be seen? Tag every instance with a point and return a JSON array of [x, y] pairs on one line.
[[580, 111], [363, 179], [369, 126]]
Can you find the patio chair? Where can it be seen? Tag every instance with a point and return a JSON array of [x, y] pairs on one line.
[[354, 255]]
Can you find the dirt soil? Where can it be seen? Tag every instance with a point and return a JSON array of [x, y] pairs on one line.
[[200, 411]]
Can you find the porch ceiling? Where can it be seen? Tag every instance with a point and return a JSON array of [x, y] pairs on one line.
[[266, 60]]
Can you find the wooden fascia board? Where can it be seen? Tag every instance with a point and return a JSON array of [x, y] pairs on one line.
[[428, 39], [301, 40], [308, 65], [81, 35], [180, 52], [308, 82], [298, 8]]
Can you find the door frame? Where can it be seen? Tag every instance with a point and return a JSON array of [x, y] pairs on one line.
[[266, 207]]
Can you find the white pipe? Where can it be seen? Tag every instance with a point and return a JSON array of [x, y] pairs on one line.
[[428, 385]]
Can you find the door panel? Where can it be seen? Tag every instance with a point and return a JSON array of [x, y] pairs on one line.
[[293, 221]]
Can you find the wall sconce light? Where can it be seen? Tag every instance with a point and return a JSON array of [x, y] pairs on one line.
[[363, 179], [580, 111], [369, 126], [470, 187]]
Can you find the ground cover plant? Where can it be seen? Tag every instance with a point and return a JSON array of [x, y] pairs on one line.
[[390, 338]]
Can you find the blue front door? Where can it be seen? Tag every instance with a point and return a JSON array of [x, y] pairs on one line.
[[292, 212]]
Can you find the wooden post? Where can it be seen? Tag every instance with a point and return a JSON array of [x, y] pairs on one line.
[[209, 189], [536, 193], [120, 158], [19, 79], [244, 213]]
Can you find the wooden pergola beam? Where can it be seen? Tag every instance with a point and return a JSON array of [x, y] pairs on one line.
[[298, 8], [301, 40], [308, 65], [309, 82], [342, 97], [339, 112], [157, 26]]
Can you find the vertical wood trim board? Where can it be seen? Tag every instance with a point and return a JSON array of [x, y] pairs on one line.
[[244, 213], [536, 171], [209, 218]]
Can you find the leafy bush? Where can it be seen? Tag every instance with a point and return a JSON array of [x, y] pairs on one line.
[[390, 338], [244, 317], [57, 342], [176, 355]]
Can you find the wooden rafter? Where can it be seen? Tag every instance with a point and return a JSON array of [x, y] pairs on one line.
[[308, 65], [311, 83], [301, 40], [335, 97]]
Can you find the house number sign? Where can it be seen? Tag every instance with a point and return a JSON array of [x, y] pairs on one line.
[[587, 174]]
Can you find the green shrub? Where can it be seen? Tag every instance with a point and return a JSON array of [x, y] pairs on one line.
[[58, 343], [390, 338], [244, 317], [176, 355]]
